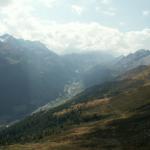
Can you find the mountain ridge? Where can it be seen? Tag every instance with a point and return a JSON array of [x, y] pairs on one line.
[[38, 75], [102, 109]]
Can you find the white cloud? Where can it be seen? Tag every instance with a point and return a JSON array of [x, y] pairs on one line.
[[122, 23], [68, 37], [4, 3], [106, 2], [47, 3], [108, 12], [146, 13], [77, 9], [77, 37], [105, 7], [86, 37]]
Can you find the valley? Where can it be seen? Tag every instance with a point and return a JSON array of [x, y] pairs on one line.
[[115, 116], [97, 103], [74, 75]]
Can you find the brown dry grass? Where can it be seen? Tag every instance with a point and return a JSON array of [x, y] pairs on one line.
[[83, 106]]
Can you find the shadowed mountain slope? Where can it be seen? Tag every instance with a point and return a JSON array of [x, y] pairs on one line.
[[31, 76], [114, 115]]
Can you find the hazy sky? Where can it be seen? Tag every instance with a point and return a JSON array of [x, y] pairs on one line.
[[119, 26]]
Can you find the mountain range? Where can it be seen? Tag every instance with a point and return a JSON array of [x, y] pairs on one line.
[[32, 75], [113, 115], [107, 107]]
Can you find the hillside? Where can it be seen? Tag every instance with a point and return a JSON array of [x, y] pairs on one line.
[[32, 75], [133, 60], [114, 115], [28, 73]]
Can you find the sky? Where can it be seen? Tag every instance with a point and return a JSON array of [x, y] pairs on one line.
[[66, 26]]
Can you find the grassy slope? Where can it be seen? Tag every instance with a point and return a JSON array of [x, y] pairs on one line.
[[113, 116]]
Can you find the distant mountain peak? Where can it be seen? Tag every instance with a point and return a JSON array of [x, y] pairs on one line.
[[142, 52], [6, 37], [139, 58], [138, 54]]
